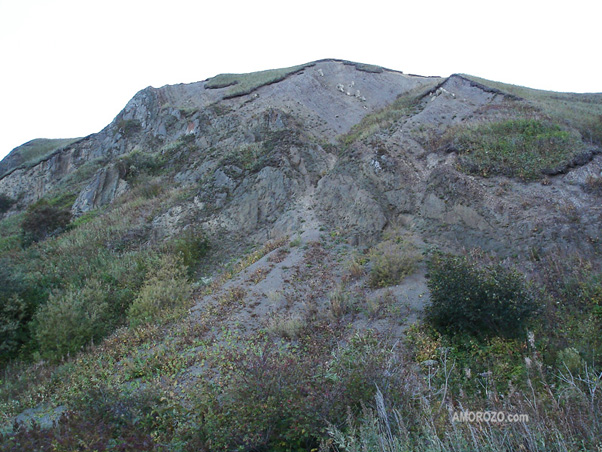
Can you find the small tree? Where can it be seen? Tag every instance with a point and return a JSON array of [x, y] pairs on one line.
[[482, 301]]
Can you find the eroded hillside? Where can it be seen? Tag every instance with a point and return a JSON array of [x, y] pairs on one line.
[[233, 264]]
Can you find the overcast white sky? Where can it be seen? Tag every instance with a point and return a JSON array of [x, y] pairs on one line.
[[67, 67]]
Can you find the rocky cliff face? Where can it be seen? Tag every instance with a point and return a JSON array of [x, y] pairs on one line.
[[360, 148]]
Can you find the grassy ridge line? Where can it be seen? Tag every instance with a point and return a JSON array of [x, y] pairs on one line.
[[242, 84], [580, 110]]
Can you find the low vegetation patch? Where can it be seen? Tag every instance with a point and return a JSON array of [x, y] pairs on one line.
[[271, 397], [137, 163], [128, 127], [523, 148], [371, 68]]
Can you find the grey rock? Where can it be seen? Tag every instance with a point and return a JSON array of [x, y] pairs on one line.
[[105, 186]]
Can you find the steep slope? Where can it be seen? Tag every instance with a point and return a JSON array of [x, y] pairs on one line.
[[248, 253]]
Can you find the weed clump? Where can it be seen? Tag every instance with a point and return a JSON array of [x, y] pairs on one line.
[[392, 261], [341, 303], [288, 326]]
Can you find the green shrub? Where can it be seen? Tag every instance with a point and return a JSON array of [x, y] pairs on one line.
[[569, 359], [392, 261], [71, 319], [13, 312], [262, 404], [43, 220], [6, 202], [166, 287], [487, 301], [17, 303]]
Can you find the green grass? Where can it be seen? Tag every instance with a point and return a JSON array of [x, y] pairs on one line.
[[522, 148], [581, 111], [241, 84]]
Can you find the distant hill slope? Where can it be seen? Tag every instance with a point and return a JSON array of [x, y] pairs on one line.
[[32, 152]]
